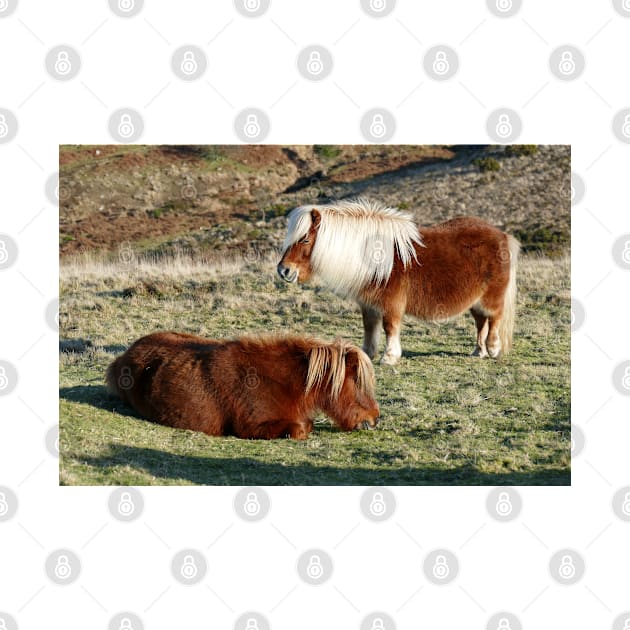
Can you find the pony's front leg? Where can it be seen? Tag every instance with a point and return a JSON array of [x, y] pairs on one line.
[[372, 321], [392, 323], [273, 429]]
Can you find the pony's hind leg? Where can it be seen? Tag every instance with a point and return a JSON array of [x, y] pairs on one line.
[[494, 340], [372, 321], [482, 322]]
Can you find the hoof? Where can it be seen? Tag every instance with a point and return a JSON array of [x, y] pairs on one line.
[[479, 352], [495, 353], [389, 359]]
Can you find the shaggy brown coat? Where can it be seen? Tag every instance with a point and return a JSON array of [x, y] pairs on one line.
[[252, 387]]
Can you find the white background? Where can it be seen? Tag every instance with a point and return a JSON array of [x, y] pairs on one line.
[[251, 62]]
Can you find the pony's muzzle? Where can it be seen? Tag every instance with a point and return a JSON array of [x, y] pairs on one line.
[[289, 275], [371, 424]]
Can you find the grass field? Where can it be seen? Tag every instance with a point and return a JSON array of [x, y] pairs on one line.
[[448, 418]]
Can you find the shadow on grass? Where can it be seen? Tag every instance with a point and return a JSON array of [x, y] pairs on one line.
[[169, 467], [204, 470], [98, 396]]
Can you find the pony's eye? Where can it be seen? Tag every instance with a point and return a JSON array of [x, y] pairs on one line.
[[304, 241]]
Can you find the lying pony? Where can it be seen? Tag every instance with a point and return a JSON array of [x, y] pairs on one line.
[[252, 387]]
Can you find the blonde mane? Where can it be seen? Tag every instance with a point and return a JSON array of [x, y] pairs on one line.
[[327, 368], [356, 242]]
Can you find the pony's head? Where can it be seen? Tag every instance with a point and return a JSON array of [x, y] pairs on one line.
[[347, 244], [342, 377], [295, 264]]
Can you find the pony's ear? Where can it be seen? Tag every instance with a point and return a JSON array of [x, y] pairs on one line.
[[316, 219]]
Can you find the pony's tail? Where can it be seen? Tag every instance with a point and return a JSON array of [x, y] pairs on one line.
[[506, 326]]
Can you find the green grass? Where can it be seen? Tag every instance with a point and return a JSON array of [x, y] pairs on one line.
[[448, 418]]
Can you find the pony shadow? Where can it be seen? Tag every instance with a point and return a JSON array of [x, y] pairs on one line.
[[78, 345], [204, 470], [97, 396], [433, 353]]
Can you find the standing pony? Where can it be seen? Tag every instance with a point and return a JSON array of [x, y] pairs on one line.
[[377, 256], [252, 387]]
